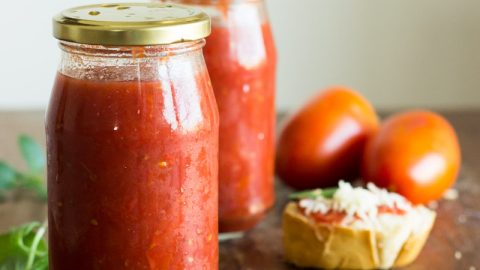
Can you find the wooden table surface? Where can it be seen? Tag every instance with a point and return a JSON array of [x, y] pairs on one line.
[[454, 243]]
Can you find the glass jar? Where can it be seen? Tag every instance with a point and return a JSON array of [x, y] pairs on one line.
[[241, 59], [132, 141]]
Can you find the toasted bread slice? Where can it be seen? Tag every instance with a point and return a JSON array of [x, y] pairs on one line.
[[396, 242]]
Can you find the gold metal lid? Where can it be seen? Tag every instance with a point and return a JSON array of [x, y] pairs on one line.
[[131, 24]]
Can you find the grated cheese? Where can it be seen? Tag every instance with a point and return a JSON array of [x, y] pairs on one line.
[[356, 202]]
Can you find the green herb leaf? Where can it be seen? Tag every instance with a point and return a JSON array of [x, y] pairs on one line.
[[7, 176], [34, 183], [32, 153], [329, 192], [24, 248], [32, 179], [313, 194]]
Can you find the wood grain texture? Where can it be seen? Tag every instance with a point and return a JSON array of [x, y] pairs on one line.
[[456, 232]]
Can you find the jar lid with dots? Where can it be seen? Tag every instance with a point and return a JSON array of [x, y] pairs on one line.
[[131, 24]]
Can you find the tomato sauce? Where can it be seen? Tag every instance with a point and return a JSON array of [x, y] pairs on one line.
[[241, 60], [335, 217], [132, 175]]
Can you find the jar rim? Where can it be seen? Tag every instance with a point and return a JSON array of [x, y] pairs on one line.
[[124, 51]]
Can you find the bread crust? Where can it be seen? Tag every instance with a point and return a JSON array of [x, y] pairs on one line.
[[311, 244]]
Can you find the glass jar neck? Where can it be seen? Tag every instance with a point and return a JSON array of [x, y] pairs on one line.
[[126, 63], [132, 51]]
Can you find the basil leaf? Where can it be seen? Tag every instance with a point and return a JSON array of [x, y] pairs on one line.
[[307, 194], [33, 178], [24, 248], [313, 194], [33, 183], [7, 176], [329, 192], [33, 153]]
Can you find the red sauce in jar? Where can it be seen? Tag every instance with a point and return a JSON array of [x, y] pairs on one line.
[[241, 60], [132, 178]]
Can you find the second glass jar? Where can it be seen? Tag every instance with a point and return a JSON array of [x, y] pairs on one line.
[[241, 59]]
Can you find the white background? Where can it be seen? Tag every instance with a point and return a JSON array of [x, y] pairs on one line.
[[399, 53]]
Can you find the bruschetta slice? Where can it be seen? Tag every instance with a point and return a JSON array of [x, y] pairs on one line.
[[354, 228]]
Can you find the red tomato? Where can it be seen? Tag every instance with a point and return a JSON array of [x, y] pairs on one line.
[[414, 153], [324, 141]]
